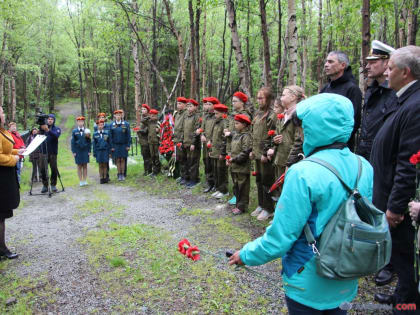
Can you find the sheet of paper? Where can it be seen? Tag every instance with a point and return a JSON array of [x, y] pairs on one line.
[[34, 144]]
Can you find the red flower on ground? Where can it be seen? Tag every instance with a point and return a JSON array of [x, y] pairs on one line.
[[415, 158], [183, 246], [179, 144], [227, 157], [224, 116], [280, 116], [254, 173], [271, 133], [209, 145], [193, 253]]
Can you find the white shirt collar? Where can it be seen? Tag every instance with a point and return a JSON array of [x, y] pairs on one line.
[[405, 88], [119, 122]]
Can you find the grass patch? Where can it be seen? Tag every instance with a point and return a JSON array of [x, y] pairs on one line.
[[195, 212], [98, 205]]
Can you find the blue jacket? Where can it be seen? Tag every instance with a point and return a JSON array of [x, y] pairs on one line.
[[81, 146], [120, 138], [52, 139], [311, 193], [101, 146]]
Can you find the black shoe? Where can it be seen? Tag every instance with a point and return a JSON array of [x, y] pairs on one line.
[[183, 182], [191, 184], [208, 189], [102, 181], [384, 298], [383, 277], [44, 190], [8, 254]]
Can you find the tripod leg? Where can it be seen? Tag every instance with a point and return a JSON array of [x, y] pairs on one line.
[[59, 178]]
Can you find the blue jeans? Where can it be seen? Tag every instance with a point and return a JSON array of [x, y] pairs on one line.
[[19, 168], [296, 308]]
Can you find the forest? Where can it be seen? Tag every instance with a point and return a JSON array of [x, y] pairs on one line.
[[118, 54]]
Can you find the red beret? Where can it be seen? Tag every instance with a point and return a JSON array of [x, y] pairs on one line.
[[243, 119], [182, 99], [193, 101], [213, 100], [118, 111], [206, 99], [242, 96], [146, 106], [221, 108], [80, 118], [101, 114], [153, 112]]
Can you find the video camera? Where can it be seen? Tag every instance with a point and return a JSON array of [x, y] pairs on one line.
[[41, 118]]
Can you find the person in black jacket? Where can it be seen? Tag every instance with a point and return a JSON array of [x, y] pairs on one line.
[[394, 176], [342, 81], [379, 96]]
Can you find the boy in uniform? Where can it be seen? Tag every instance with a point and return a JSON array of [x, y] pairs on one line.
[[178, 131], [153, 129], [101, 149], [240, 163], [143, 139], [191, 144], [217, 146], [120, 139]]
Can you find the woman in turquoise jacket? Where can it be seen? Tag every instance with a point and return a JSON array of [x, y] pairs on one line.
[[312, 194]]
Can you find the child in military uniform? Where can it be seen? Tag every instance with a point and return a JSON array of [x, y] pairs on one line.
[[240, 163], [191, 143], [262, 123], [143, 139], [120, 139], [153, 140], [207, 124], [177, 139], [101, 149], [81, 148], [217, 146]]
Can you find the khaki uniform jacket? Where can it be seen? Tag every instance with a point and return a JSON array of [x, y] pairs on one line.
[[178, 125], [217, 139], [7, 152], [207, 124], [152, 134], [191, 124], [241, 146], [231, 126], [283, 151], [261, 124], [143, 132]]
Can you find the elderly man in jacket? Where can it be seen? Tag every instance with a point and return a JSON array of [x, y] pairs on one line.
[[394, 179], [312, 194]]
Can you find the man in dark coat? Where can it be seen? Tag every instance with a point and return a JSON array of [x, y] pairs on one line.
[[342, 81], [394, 176]]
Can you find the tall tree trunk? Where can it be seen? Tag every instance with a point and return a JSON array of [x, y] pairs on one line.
[[282, 69], [248, 48], [279, 38], [13, 93], [412, 23], [304, 37], [38, 87], [242, 68], [154, 93], [193, 55], [397, 25], [203, 54], [1, 90], [365, 44], [292, 47], [25, 100], [135, 52], [266, 44], [9, 97], [403, 22], [121, 80], [180, 48], [223, 66], [79, 67], [197, 50], [319, 53], [51, 87]]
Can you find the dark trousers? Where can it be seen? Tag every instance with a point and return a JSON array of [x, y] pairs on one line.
[[125, 167], [296, 308], [180, 162], [402, 260], [241, 184], [35, 170], [193, 165], [154, 155], [147, 162], [208, 168], [220, 175], [264, 180], [44, 160]]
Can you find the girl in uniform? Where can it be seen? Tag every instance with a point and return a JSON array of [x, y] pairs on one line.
[[81, 147], [120, 139], [101, 150]]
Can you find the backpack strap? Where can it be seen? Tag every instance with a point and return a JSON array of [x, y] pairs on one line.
[[307, 230]]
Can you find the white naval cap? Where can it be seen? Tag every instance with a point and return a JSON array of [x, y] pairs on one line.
[[379, 51]]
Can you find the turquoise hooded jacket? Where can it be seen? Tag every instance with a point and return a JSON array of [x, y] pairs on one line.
[[311, 193]]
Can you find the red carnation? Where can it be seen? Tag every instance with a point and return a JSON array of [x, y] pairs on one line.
[[227, 157], [201, 119], [193, 253], [183, 246], [136, 128], [280, 116], [271, 133], [254, 173], [415, 158], [224, 116], [200, 130], [209, 145], [179, 144]]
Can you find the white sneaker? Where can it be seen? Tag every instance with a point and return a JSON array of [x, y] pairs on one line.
[[264, 215], [81, 184], [220, 195], [215, 193], [256, 212]]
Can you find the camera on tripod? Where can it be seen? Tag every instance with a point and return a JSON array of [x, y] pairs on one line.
[[41, 118]]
